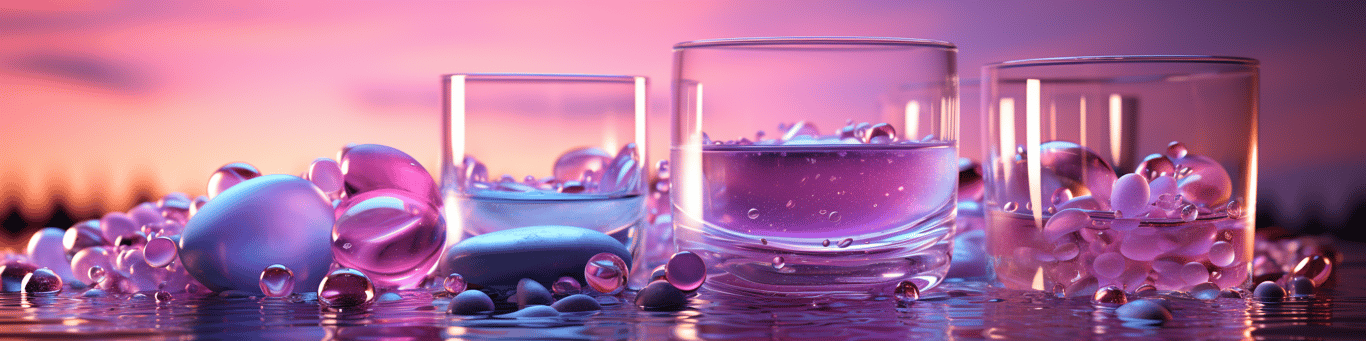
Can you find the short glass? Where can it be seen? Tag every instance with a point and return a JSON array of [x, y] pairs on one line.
[[1146, 172], [854, 192], [542, 149]]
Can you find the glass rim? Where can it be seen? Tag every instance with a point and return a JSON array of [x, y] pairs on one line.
[[561, 77], [815, 40], [1121, 59]]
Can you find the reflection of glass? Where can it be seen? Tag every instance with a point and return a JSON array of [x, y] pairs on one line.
[[527, 150], [852, 194], [1091, 210]]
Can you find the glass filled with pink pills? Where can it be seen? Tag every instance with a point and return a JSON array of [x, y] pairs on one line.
[[816, 166], [1124, 171]]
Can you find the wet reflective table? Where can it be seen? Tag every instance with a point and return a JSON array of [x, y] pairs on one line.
[[956, 310]]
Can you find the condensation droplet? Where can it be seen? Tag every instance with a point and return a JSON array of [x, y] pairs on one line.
[[790, 204], [753, 213], [846, 242], [834, 216], [1189, 213], [906, 293], [778, 262], [1010, 207], [825, 243]]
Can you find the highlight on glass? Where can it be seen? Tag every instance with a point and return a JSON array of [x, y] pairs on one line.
[[816, 165], [1121, 171]]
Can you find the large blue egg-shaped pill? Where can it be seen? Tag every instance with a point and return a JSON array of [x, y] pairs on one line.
[[268, 220]]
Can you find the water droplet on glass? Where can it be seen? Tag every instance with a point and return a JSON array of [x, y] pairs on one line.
[[97, 273], [906, 293], [825, 242], [790, 204], [566, 286], [1010, 207], [1176, 150], [160, 251], [455, 283], [1061, 196], [229, 175], [277, 281], [1234, 209], [763, 241], [606, 273], [41, 281], [846, 242], [345, 288], [753, 213], [779, 262], [1110, 295], [821, 212], [1189, 213], [834, 216], [686, 271]]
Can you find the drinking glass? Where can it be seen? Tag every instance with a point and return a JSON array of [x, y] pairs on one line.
[[1120, 171], [854, 191], [542, 149]]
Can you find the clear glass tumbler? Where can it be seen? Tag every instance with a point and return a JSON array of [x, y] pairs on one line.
[[853, 192], [561, 149], [1120, 171]]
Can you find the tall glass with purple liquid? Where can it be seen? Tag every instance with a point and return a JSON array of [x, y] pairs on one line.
[[854, 192]]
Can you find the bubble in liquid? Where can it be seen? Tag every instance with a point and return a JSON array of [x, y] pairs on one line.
[[1110, 295], [753, 213], [1189, 213], [1316, 267], [327, 175], [160, 251], [566, 286], [1176, 150], [1010, 207], [906, 293], [686, 271], [454, 283], [572, 165], [96, 274], [1156, 165], [880, 133], [229, 175], [779, 262], [1221, 254], [1194, 273], [801, 128], [1130, 195], [606, 273], [846, 242], [394, 235], [277, 281], [345, 288], [41, 281], [1108, 265]]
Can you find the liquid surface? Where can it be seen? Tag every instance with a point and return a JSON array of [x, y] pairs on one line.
[[964, 310]]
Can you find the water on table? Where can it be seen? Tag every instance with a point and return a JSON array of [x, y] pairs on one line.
[[963, 310]]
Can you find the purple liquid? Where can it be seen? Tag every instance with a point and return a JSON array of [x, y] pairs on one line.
[[842, 217]]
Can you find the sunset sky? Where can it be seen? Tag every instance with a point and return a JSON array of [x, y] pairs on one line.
[[98, 95]]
